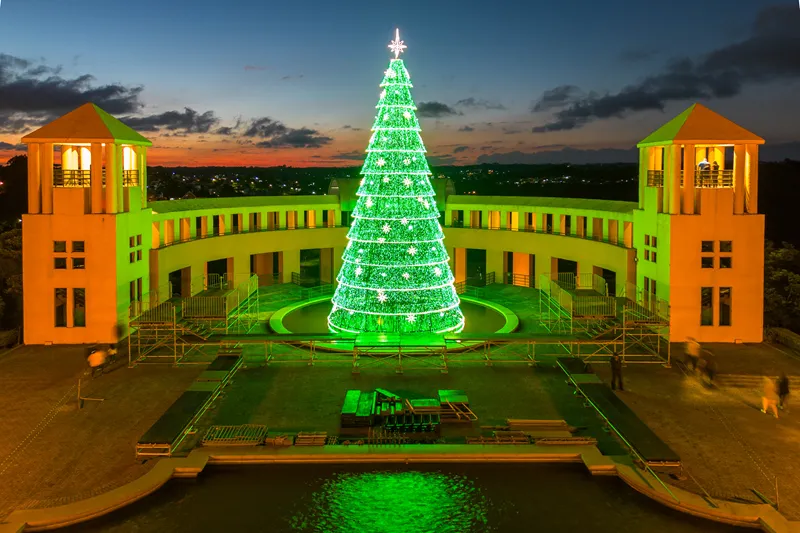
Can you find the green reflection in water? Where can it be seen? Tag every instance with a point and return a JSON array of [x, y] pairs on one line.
[[395, 502]]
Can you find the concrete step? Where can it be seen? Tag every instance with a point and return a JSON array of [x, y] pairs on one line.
[[749, 381]]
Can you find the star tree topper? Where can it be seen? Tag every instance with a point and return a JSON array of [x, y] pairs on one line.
[[397, 45]]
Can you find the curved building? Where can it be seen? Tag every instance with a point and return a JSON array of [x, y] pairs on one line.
[[688, 257]]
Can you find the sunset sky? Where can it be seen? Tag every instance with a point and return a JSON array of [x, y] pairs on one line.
[[264, 83]]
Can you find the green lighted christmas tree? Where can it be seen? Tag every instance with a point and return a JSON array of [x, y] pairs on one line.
[[395, 276]]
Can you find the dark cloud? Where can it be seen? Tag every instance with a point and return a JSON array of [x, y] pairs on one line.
[[466, 128], [5, 147], [770, 53], [230, 130], [275, 134], [349, 127], [511, 131], [459, 149], [250, 68], [355, 155], [182, 122], [287, 78], [32, 94], [435, 110], [479, 103], [556, 98], [638, 55], [441, 160]]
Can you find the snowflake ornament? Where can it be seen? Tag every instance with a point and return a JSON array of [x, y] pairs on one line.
[[358, 260], [383, 274], [380, 162], [386, 179], [386, 116], [386, 228], [381, 240], [406, 275], [407, 162], [382, 296], [383, 93], [358, 271], [414, 158], [404, 221], [369, 202], [407, 115], [412, 251], [437, 271], [361, 250], [407, 182], [426, 203], [411, 318]]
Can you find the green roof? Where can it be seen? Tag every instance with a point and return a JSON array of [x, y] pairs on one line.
[[88, 123], [616, 206], [243, 202], [700, 125]]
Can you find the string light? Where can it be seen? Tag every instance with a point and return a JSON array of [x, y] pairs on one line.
[[399, 282]]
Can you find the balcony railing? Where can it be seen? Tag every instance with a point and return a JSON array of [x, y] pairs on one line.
[[703, 179], [83, 178], [605, 240]]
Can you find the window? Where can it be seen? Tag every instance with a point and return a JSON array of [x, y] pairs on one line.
[[653, 256], [654, 242], [647, 285], [132, 242], [647, 240], [132, 257], [79, 308], [139, 240], [77, 247], [707, 247], [60, 247], [60, 302], [706, 306], [725, 262], [706, 262], [726, 246], [136, 290], [60, 263], [138, 255], [725, 302], [78, 263], [647, 255]]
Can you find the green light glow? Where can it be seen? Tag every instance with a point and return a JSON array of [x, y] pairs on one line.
[[395, 276], [395, 502]]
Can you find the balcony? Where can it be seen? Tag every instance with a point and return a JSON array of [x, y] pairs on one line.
[[73, 178], [703, 179]]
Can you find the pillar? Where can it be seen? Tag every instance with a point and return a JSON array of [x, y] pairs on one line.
[[34, 180], [645, 164], [494, 263], [543, 264], [291, 263], [96, 172], [141, 164], [738, 179], [673, 174], [688, 179], [460, 264], [46, 166], [751, 175], [113, 175]]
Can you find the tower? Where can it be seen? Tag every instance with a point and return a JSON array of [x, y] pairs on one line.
[[86, 236], [698, 234]]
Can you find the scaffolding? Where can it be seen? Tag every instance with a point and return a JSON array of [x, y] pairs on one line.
[[571, 304]]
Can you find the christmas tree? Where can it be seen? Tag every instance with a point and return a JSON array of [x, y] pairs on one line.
[[395, 276]]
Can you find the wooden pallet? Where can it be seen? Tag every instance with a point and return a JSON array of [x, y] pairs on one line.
[[522, 424], [311, 439], [278, 440], [498, 440], [246, 435]]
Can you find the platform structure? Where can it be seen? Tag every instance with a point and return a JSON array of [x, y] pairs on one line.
[[168, 432], [634, 324], [171, 329]]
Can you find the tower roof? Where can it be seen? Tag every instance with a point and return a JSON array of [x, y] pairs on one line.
[[700, 125], [86, 124]]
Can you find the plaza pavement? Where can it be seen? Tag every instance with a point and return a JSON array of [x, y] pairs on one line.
[[52, 452]]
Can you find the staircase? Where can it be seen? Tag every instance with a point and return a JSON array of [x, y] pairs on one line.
[[749, 381]]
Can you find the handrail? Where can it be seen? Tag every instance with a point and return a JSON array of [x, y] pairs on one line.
[[604, 240], [240, 231], [703, 179], [82, 177]]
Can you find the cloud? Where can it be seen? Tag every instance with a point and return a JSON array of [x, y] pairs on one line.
[[459, 149], [183, 122], [354, 155], [250, 68], [638, 55], [276, 134], [349, 127], [556, 97], [770, 53], [441, 160], [435, 110], [557, 157], [287, 78], [511, 131], [230, 130], [466, 128], [6, 147], [32, 94], [479, 104]]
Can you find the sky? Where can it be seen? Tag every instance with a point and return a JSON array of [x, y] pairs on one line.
[[264, 83]]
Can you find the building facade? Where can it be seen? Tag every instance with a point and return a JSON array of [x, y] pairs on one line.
[[95, 252]]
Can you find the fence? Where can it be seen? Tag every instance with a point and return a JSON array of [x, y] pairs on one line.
[[572, 282], [520, 280], [645, 304]]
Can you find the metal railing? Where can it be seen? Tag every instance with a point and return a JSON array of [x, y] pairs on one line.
[[604, 240], [130, 178], [239, 232], [519, 280], [703, 179], [69, 177]]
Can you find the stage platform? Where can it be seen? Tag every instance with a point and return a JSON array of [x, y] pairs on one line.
[[635, 433]]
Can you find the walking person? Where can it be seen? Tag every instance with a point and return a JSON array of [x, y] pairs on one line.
[[710, 367], [692, 349], [783, 391], [616, 371], [97, 359], [769, 400]]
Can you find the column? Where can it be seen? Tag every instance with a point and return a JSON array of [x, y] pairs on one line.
[[46, 166], [118, 182], [645, 164], [460, 264], [113, 175], [34, 180], [291, 263], [141, 164], [673, 174], [751, 183], [688, 179], [96, 174], [543, 264], [494, 263], [738, 179], [484, 218]]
